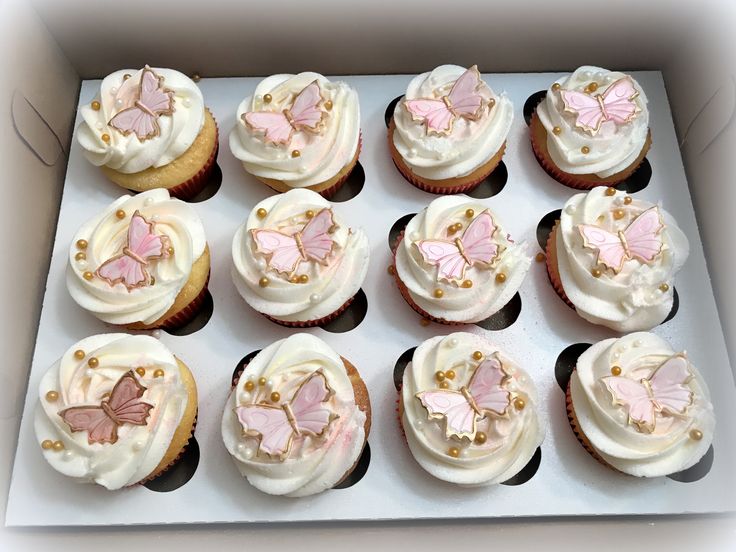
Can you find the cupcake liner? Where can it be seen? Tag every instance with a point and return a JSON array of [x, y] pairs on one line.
[[186, 314], [189, 189], [173, 463], [551, 263], [312, 323], [332, 190]]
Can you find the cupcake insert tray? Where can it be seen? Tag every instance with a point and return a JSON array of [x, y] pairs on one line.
[[567, 480]]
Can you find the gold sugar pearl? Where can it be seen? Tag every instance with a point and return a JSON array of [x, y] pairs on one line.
[[47, 444], [556, 86], [79, 354], [249, 386], [141, 371], [158, 373], [424, 322], [458, 226], [275, 396], [105, 138], [106, 395], [262, 381], [126, 76], [52, 396], [491, 103], [261, 213], [450, 374], [454, 452], [120, 214], [451, 229], [439, 376], [58, 446], [296, 153], [391, 270], [170, 250], [93, 362], [596, 273], [618, 214], [541, 257], [438, 293], [267, 98], [196, 77], [696, 434], [585, 149], [87, 275], [664, 288], [80, 256], [469, 213], [444, 385], [82, 244], [467, 284], [616, 370], [477, 355], [628, 200], [263, 282], [610, 191], [519, 403], [500, 278], [480, 438], [309, 214], [294, 279], [153, 280], [556, 130], [328, 105], [592, 87], [303, 279], [95, 105]]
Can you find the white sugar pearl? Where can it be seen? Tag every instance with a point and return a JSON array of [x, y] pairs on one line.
[[522, 379], [585, 75], [100, 126], [302, 169], [439, 155], [114, 90], [294, 220], [463, 452], [314, 298], [412, 152], [67, 455], [240, 447], [154, 218], [138, 445], [261, 263], [621, 417], [244, 397], [148, 201], [82, 264], [269, 384], [607, 79], [616, 356], [452, 342], [186, 102], [419, 424], [638, 343], [598, 76], [248, 453], [89, 372], [119, 103], [570, 209], [259, 98], [156, 334]]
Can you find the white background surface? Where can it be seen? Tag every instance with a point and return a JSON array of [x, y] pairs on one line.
[[568, 481]]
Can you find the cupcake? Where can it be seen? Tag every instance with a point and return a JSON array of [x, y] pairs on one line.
[[299, 131], [296, 261], [613, 258], [297, 418], [639, 407], [468, 412], [142, 263], [448, 132], [455, 264], [115, 410], [592, 128], [150, 129]]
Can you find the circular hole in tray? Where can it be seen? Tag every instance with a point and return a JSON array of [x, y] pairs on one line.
[[528, 471], [491, 184], [178, 474], [214, 181], [351, 187], [531, 104], [359, 470], [351, 317], [242, 364], [397, 228], [200, 319], [675, 305], [390, 109], [503, 318], [566, 362], [638, 180], [400, 366], [696, 472], [544, 228]]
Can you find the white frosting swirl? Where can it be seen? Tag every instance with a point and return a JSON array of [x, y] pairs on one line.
[[669, 448], [468, 146], [139, 449], [512, 439], [127, 154], [458, 304], [322, 155], [330, 285], [633, 299], [613, 148], [106, 235], [314, 464]]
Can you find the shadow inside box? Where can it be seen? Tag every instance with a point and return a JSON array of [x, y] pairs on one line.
[[352, 186], [177, 475], [198, 321]]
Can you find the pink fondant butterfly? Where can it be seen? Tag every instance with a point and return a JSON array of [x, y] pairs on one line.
[[462, 101], [152, 101], [129, 268], [663, 391], [276, 426], [641, 240], [285, 252], [461, 410], [452, 257], [615, 104], [305, 114], [122, 407]]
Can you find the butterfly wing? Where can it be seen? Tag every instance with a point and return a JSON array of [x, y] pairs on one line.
[[643, 235], [611, 251], [634, 396], [451, 406], [587, 108], [305, 111], [99, 426], [315, 236], [157, 99], [433, 113], [464, 97], [476, 240], [125, 270], [134, 119], [276, 126], [446, 256], [310, 413], [270, 424], [618, 100], [486, 387], [124, 401], [668, 385], [141, 239], [282, 250]]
